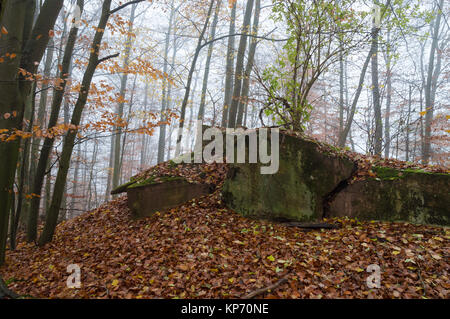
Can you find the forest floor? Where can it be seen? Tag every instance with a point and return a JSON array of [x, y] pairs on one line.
[[204, 250]]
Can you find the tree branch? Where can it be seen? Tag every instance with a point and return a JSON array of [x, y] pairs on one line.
[[124, 5], [107, 58]]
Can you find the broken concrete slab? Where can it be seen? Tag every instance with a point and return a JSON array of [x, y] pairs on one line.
[[296, 192], [416, 197], [313, 182], [145, 200]]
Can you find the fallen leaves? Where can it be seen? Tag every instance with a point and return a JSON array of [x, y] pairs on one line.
[[209, 251]]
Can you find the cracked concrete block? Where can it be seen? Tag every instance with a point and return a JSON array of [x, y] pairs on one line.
[[146, 199], [416, 197], [305, 178]]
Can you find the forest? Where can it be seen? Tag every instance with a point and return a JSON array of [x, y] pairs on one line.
[[98, 98]]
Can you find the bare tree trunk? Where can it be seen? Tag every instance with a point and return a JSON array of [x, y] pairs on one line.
[[240, 66], [75, 178], [201, 110], [243, 101], [23, 177], [123, 86], [169, 102], [58, 95], [142, 161], [189, 80], [229, 68], [191, 110], [376, 94], [341, 93], [407, 124], [373, 49], [130, 104], [41, 109], [429, 101], [387, 137], [110, 167], [52, 213], [351, 113], [164, 99]]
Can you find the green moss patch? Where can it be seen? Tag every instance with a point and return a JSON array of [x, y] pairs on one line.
[[389, 173], [154, 180], [145, 182], [122, 188]]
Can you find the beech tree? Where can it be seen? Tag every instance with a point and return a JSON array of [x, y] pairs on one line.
[[25, 44], [94, 60]]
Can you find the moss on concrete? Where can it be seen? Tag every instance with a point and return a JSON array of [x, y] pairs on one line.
[[416, 197], [134, 183], [389, 173], [122, 188], [154, 180], [296, 192]]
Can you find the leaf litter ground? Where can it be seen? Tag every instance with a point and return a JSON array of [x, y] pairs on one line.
[[204, 250]]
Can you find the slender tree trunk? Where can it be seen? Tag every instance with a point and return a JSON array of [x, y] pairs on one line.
[[189, 80], [387, 136], [407, 124], [142, 161], [239, 72], [123, 86], [201, 110], [351, 113], [110, 167], [169, 103], [23, 177], [373, 50], [243, 101], [191, 110], [130, 104], [341, 92], [164, 99], [41, 109], [376, 95], [52, 213], [229, 68], [58, 95], [75, 178], [429, 103]]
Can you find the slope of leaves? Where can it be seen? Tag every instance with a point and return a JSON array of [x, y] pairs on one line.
[[203, 250]]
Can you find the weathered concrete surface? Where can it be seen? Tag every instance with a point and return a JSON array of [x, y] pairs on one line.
[[312, 183], [414, 197], [144, 200], [296, 191]]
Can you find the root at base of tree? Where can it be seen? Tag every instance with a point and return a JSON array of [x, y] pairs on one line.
[[5, 292]]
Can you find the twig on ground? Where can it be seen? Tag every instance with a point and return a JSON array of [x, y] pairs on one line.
[[266, 289]]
